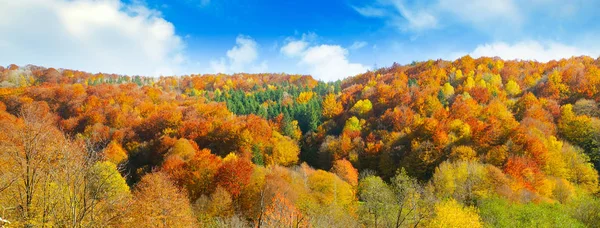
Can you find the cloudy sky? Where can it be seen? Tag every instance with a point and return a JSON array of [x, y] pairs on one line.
[[329, 39]]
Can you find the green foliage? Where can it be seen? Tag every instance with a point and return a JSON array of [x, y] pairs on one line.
[[408, 199], [376, 201], [270, 103], [257, 155], [586, 209], [501, 213], [352, 124]]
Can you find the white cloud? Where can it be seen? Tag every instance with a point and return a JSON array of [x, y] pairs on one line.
[[532, 50], [294, 48], [244, 52], [329, 63], [102, 35], [218, 66], [240, 58], [358, 45], [325, 62]]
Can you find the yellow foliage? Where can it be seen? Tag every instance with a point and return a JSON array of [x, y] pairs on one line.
[[230, 157], [512, 88], [481, 83], [362, 106], [184, 149], [331, 107], [469, 83], [447, 90], [555, 163], [432, 104], [458, 75], [304, 97], [220, 204], [450, 213], [159, 203], [107, 182], [459, 130], [531, 80], [284, 151], [499, 64], [329, 189], [463, 180], [563, 190], [581, 171], [464, 153]]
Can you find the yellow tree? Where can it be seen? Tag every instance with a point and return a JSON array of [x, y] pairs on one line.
[[184, 149], [28, 147], [465, 181], [284, 151], [109, 191], [304, 97], [450, 213], [362, 107], [465, 153], [220, 203], [57, 182], [328, 189], [512, 88], [331, 107], [159, 203]]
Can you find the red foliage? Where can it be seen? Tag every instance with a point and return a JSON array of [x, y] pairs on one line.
[[233, 175]]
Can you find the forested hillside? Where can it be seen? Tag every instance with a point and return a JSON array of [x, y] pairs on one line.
[[464, 143]]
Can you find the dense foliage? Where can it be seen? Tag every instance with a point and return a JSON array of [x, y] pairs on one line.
[[468, 143]]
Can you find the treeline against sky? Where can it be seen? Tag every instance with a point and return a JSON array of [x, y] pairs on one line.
[[472, 142]]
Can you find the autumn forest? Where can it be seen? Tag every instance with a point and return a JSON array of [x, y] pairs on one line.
[[466, 143]]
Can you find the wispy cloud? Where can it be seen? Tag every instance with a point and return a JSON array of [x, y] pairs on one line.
[[400, 14], [358, 45], [418, 19], [411, 16], [369, 11]]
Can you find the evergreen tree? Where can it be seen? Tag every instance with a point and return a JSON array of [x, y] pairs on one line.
[[257, 156]]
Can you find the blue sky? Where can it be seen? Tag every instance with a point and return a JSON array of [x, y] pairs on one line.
[[328, 39]]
